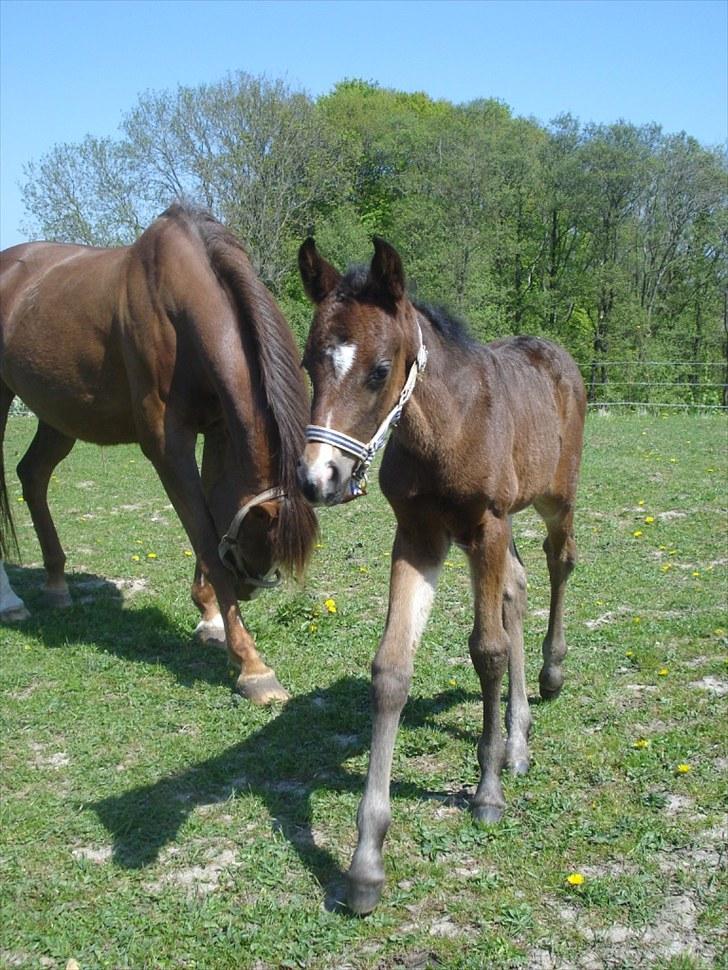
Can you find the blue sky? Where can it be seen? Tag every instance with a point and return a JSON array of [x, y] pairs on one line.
[[72, 67]]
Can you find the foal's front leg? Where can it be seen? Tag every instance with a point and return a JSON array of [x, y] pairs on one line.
[[489, 649], [412, 585]]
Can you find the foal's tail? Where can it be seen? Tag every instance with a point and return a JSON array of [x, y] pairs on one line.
[[8, 536]]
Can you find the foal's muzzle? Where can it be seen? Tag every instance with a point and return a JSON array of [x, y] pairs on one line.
[[325, 474]]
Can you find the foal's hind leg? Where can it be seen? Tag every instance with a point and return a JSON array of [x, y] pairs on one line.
[[46, 450], [489, 650], [518, 714], [560, 550]]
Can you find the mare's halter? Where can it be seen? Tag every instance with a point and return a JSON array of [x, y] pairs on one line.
[[231, 553], [365, 452]]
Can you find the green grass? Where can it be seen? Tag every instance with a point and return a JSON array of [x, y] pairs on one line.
[[150, 820]]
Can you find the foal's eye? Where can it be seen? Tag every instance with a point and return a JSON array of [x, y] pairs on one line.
[[379, 374]]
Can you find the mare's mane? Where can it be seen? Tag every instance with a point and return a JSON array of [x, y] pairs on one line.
[[283, 386]]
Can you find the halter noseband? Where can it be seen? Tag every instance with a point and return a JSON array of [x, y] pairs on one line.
[[229, 548], [364, 453]]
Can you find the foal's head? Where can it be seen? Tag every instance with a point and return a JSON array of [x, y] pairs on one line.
[[362, 344]]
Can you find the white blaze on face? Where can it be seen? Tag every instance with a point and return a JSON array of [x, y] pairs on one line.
[[342, 357]]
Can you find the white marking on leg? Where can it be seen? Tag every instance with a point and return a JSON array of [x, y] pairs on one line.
[[420, 604], [11, 605]]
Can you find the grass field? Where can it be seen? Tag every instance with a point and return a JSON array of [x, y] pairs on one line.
[[149, 820]]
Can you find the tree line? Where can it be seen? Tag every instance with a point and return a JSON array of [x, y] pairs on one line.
[[612, 239]]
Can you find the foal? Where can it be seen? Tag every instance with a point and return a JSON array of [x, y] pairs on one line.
[[488, 431]]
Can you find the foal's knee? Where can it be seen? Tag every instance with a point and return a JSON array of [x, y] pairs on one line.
[[390, 687], [489, 654]]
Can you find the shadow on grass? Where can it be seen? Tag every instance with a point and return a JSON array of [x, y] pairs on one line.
[[300, 752], [101, 616]]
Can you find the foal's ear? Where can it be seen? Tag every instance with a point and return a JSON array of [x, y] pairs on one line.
[[386, 273], [319, 277]]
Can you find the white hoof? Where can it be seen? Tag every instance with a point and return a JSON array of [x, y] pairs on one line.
[[211, 632]]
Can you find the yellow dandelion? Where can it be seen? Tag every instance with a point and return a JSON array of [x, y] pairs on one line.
[[151, 555], [719, 632], [641, 502], [696, 572], [641, 743], [629, 653], [188, 552], [21, 499], [663, 672], [649, 519], [683, 769], [637, 533], [636, 619], [330, 605], [135, 558], [575, 879], [452, 682]]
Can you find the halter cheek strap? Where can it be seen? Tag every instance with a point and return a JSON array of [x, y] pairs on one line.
[[364, 453], [228, 546]]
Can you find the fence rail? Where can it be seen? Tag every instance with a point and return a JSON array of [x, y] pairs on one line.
[[686, 395], [671, 389]]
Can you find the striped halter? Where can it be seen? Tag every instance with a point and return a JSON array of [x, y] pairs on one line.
[[364, 453]]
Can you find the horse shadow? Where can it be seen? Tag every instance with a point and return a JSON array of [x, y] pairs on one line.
[[108, 615], [285, 763]]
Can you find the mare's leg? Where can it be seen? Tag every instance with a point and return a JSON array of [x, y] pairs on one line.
[[12, 608], [46, 450], [560, 550], [518, 714], [415, 568], [489, 650], [210, 629], [172, 452]]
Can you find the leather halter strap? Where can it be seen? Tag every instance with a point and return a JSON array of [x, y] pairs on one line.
[[364, 453], [229, 546]]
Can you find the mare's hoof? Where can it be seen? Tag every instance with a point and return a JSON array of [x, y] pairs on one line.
[[550, 684], [57, 599], [15, 615], [211, 633], [487, 814], [262, 689], [362, 898]]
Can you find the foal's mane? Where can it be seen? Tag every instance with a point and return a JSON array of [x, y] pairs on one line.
[[355, 285], [283, 385]]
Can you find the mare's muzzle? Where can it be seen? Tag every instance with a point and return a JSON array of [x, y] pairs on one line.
[[231, 552]]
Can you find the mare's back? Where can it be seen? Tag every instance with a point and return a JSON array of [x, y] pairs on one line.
[[60, 307]]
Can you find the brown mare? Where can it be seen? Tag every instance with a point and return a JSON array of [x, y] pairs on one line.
[[156, 343], [488, 431]]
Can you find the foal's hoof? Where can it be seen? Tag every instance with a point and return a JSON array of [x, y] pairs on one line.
[[550, 683], [362, 898], [262, 689], [487, 814], [519, 767], [57, 599]]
